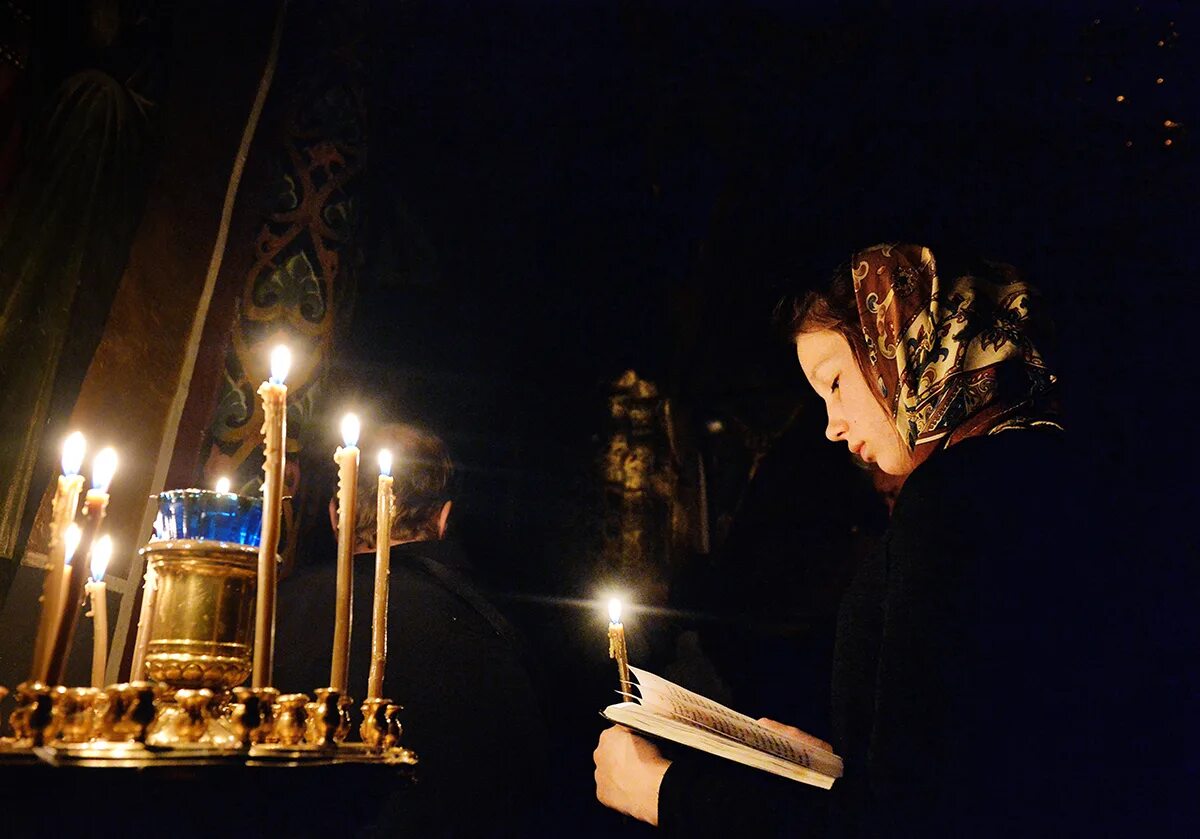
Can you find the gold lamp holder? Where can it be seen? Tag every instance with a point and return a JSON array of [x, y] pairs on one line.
[[374, 727], [202, 618]]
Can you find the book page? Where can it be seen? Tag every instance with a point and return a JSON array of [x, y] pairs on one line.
[[670, 700], [643, 720]]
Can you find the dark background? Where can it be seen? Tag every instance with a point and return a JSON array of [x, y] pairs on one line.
[[559, 191], [564, 190]]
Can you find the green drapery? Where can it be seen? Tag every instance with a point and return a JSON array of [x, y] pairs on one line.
[[65, 233]]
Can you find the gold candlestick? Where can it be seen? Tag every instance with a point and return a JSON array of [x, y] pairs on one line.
[[383, 546], [66, 502], [129, 712], [291, 718], [94, 507], [346, 458], [616, 645], [98, 592], [253, 714], [374, 727], [274, 429]]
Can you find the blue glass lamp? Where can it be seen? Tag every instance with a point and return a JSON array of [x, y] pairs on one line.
[[216, 515]]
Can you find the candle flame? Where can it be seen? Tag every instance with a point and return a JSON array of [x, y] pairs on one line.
[[614, 610], [103, 469], [385, 462], [222, 484], [101, 554], [72, 457], [71, 537], [350, 429], [281, 363]]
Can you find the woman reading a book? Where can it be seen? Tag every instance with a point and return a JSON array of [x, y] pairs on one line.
[[942, 701]]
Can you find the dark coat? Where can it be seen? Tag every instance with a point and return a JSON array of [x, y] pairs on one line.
[[951, 698], [471, 711]]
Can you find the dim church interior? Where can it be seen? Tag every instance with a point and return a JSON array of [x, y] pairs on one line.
[[481, 222]]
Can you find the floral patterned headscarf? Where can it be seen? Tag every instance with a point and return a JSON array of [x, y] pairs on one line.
[[950, 359]]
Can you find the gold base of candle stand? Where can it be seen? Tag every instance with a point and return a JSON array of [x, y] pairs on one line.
[[80, 710], [328, 721], [149, 724], [194, 718], [374, 727], [251, 715], [33, 720], [145, 724]]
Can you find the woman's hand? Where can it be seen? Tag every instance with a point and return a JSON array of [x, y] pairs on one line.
[[794, 733], [629, 771]]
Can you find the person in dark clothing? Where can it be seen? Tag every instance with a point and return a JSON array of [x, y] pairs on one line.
[[950, 699], [459, 669]]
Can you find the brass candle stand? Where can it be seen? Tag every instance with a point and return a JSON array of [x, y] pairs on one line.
[[143, 724], [147, 723], [252, 714], [193, 717], [374, 728], [316, 730], [81, 711], [328, 719], [198, 637], [33, 719]]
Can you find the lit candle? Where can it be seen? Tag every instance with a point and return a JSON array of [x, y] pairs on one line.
[[98, 592], [383, 540], [62, 516], [346, 457], [274, 430], [223, 485], [104, 466], [616, 644]]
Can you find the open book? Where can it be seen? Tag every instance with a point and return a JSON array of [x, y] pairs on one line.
[[668, 711]]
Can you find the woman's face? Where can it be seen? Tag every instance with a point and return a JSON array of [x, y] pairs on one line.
[[855, 415]]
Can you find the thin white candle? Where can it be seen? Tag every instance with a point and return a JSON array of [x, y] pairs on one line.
[[62, 516], [137, 669], [383, 539], [274, 430], [71, 539], [104, 467], [98, 592], [346, 458]]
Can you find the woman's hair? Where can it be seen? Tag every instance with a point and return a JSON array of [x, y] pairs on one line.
[[423, 473], [832, 307]]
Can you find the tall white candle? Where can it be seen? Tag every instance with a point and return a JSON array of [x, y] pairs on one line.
[[71, 539], [383, 545], [98, 591], [137, 668], [66, 503], [274, 430], [346, 458], [95, 505]]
